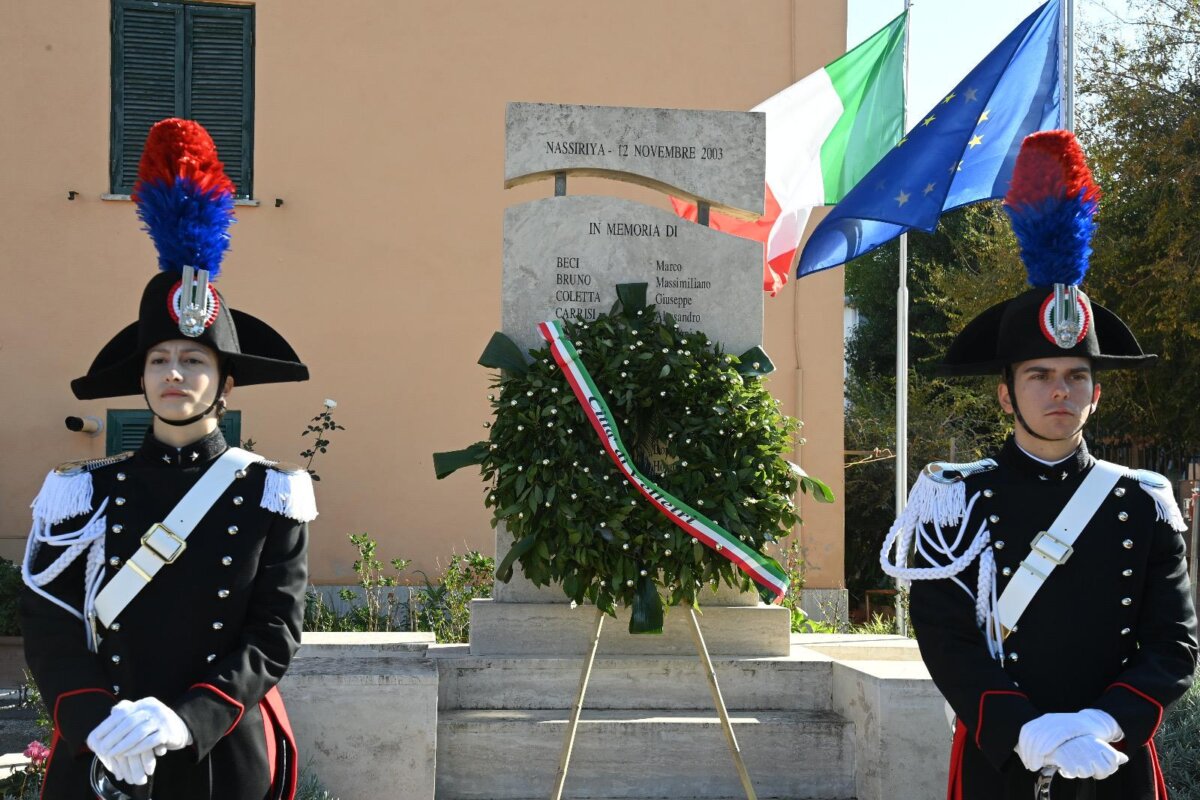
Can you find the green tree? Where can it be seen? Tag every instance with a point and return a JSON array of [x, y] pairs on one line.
[[1140, 123]]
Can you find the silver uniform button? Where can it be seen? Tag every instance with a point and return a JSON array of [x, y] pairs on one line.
[[1126, 572], [1000, 545], [118, 528], [116, 626], [993, 519], [120, 476], [1014, 657], [1125, 631], [1127, 544], [218, 626], [227, 560], [116, 688], [1006, 571], [1119, 491], [237, 501], [241, 473], [1123, 516], [232, 530], [223, 593], [211, 657], [119, 501], [988, 493], [115, 561], [116, 659], [1126, 601]]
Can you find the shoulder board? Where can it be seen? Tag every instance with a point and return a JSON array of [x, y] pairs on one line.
[[68, 468], [1165, 503], [1151, 480], [288, 490], [286, 467], [948, 472], [67, 490]]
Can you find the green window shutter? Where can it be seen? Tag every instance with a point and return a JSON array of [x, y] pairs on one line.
[[194, 61], [147, 80], [219, 84], [127, 428]]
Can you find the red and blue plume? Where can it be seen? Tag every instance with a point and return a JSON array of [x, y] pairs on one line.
[[184, 197], [1051, 203]]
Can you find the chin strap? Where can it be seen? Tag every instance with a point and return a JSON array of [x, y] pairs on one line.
[[1010, 382], [218, 404]]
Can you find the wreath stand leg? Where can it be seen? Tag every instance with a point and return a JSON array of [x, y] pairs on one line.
[[719, 702], [576, 709]]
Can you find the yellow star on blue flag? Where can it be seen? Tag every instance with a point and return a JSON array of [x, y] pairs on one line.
[[973, 135]]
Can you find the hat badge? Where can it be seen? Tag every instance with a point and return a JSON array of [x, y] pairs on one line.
[[193, 303], [1064, 317]]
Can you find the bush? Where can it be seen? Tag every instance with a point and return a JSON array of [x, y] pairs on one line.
[[1178, 743], [445, 607], [10, 590]]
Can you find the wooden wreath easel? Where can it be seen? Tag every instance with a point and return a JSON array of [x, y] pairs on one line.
[[718, 701]]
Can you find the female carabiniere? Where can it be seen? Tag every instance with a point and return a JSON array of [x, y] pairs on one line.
[[165, 586]]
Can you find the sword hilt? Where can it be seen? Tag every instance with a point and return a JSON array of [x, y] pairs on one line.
[[1041, 790]]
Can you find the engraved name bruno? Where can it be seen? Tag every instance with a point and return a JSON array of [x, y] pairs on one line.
[[576, 299]]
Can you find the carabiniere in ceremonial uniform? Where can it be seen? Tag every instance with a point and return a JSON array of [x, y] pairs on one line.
[[173, 575], [1050, 600]]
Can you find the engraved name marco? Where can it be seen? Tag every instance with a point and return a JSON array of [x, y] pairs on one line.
[[684, 152]]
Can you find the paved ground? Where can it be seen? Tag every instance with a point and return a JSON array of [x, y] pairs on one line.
[[18, 727]]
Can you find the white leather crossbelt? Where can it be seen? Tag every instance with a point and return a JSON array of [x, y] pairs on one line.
[[1053, 546], [166, 540]]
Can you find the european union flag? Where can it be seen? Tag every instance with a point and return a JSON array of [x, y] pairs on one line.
[[961, 152]]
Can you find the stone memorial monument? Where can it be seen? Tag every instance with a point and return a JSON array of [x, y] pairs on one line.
[[500, 735]]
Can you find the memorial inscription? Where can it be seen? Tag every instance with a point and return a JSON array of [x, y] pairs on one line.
[[715, 156], [564, 256]]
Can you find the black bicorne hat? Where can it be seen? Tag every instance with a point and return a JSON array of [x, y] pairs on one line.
[[186, 202], [1051, 204]]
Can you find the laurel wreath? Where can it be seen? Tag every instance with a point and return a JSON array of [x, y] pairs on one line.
[[698, 421]]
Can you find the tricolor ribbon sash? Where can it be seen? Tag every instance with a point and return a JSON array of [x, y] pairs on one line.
[[762, 569]]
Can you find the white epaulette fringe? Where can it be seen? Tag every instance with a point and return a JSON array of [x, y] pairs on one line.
[[289, 492], [63, 497], [1165, 504]]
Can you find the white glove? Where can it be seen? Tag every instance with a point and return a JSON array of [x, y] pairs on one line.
[[1042, 736], [1086, 757], [135, 770], [133, 728]]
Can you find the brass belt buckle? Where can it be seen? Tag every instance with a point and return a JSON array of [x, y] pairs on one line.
[[163, 543]]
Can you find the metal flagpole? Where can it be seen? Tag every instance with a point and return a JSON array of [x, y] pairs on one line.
[[902, 357], [1067, 77]]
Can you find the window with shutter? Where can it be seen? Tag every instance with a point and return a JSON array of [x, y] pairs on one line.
[[190, 60], [127, 428]]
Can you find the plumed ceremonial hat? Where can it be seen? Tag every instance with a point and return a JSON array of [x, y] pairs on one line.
[[1051, 204], [185, 200]]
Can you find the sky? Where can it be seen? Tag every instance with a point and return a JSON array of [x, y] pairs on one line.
[[949, 37]]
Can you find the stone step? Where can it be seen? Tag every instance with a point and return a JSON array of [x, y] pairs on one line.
[[342, 645], [556, 629], [506, 755], [799, 682]]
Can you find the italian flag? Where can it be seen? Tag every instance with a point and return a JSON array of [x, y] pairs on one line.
[[824, 134]]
